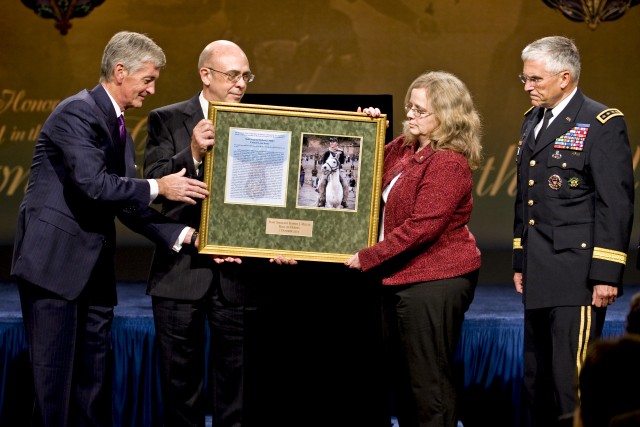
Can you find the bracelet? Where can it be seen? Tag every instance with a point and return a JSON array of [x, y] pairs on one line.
[[194, 236]]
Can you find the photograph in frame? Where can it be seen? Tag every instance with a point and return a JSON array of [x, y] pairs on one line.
[[335, 175], [264, 196]]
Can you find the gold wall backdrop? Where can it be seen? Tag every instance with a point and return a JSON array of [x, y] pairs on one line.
[[315, 47]]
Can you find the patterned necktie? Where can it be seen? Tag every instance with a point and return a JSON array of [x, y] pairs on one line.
[[545, 122], [123, 131]]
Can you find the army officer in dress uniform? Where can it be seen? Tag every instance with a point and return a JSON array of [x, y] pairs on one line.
[[573, 217]]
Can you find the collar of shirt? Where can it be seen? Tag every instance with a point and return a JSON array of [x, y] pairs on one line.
[[115, 105], [204, 104], [558, 108]]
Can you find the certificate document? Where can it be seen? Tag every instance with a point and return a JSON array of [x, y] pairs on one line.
[[257, 167]]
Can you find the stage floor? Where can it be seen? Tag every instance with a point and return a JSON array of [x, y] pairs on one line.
[[492, 302], [312, 355]]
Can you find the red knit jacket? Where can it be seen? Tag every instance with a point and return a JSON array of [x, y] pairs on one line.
[[426, 215]]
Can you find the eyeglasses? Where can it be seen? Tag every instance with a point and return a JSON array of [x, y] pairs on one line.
[[533, 80], [234, 76], [417, 112]]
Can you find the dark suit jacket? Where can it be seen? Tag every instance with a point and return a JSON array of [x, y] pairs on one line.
[[81, 179], [574, 204], [185, 275]]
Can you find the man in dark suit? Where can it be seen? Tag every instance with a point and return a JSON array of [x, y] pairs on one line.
[[82, 177], [188, 290], [573, 216]]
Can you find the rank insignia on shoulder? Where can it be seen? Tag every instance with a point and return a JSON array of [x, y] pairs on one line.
[[608, 114], [573, 182]]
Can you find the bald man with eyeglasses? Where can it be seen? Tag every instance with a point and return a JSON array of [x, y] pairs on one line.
[[189, 290]]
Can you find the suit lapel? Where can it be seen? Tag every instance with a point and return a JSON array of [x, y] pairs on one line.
[[107, 112], [193, 114], [531, 126], [129, 157], [123, 157]]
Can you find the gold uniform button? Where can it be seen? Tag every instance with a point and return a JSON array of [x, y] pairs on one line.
[[530, 202], [564, 166], [531, 182], [584, 245], [532, 222], [532, 163]]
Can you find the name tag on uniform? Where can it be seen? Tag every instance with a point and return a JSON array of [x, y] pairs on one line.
[[574, 138]]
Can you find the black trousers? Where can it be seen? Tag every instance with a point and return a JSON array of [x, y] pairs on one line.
[[181, 338], [70, 351], [422, 326], [555, 344]]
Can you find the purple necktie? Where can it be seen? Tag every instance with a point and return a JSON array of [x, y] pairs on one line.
[[123, 131]]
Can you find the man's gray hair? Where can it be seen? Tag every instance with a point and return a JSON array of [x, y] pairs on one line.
[[132, 50], [559, 54]]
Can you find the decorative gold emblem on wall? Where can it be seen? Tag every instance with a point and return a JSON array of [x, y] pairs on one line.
[[62, 11], [593, 12]]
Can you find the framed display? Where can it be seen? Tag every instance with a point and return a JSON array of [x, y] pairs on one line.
[[299, 182]]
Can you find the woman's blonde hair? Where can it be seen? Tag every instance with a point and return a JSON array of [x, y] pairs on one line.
[[460, 127]]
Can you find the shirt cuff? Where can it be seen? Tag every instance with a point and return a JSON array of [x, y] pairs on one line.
[[177, 246], [153, 187]]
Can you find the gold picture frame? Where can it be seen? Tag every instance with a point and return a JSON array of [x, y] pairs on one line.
[[262, 188]]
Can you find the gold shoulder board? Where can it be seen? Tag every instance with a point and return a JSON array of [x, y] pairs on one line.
[[609, 113]]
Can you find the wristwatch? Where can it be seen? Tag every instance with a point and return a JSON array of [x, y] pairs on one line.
[[194, 236]]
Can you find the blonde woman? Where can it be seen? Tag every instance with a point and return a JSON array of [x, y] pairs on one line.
[[426, 255]]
